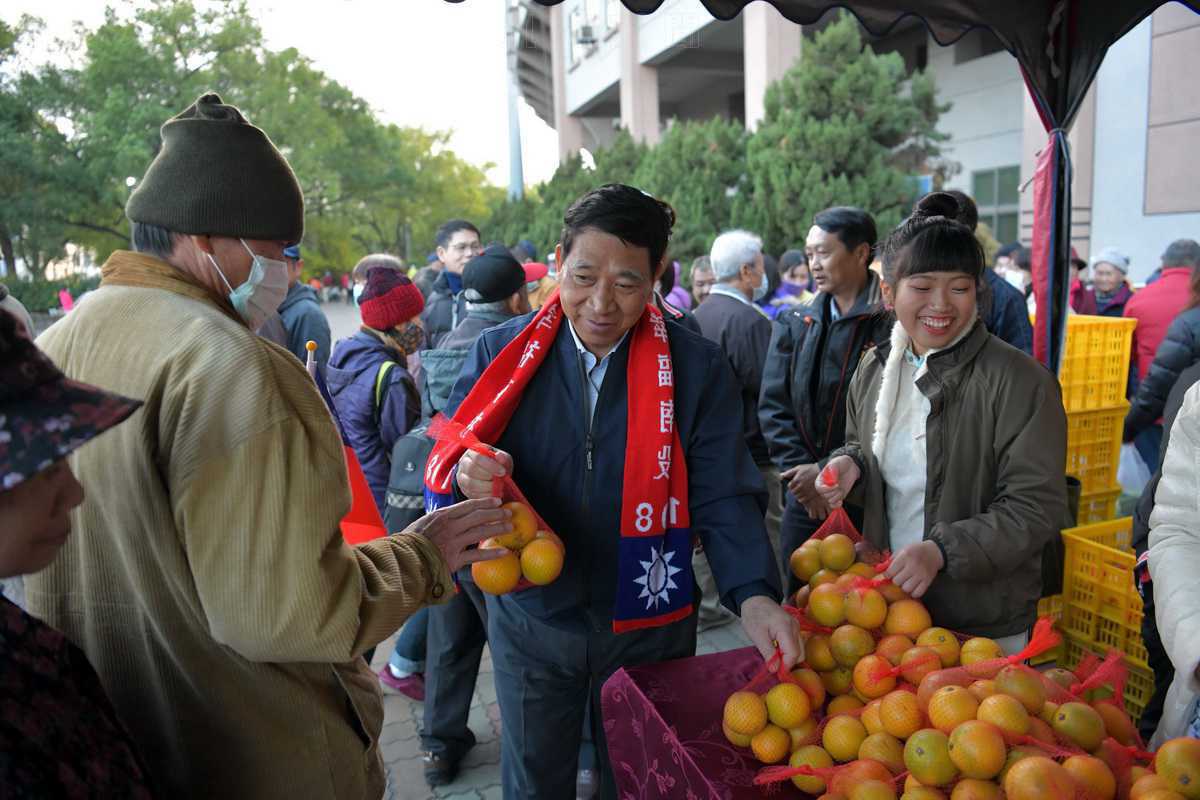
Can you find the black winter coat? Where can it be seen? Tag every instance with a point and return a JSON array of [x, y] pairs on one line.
[[1141, 515], [1179, 349], [743, 333], [810, 361], [443, 311]]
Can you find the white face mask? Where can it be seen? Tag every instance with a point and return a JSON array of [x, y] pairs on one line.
[[1015, 277], [760, 291], [265, 288]]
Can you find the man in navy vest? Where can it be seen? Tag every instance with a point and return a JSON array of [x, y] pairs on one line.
[[565, 446]]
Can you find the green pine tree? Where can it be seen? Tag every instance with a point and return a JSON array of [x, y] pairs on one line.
[[696, 168], [844, 126]]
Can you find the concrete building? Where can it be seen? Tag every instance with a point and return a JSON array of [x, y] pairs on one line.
[[591, 67]]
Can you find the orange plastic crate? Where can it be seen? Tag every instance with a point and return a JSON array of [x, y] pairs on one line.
[[1094, 447], [1095, 366], [1101, 605], [1138, 690]]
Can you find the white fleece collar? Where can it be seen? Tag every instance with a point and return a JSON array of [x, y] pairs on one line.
[[889, 388]]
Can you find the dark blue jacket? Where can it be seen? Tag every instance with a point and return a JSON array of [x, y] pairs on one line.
[[305, 321], [546, 438], [351, 375], [1007, 315]]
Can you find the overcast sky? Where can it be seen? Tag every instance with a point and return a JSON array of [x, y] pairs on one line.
[[422, 63]]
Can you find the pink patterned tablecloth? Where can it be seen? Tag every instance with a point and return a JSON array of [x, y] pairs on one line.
[[663, 726]]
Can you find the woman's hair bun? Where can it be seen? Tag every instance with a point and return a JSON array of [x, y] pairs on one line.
[[937, 204]]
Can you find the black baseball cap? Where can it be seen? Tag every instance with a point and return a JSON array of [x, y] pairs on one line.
[[495, 275]]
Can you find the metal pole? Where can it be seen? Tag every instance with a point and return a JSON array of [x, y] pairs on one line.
[[516, 172]]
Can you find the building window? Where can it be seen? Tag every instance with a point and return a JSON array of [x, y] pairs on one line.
[[997, 194], [574, 27], [612, 14]]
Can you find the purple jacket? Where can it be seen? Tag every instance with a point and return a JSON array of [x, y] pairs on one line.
[[350, 375]]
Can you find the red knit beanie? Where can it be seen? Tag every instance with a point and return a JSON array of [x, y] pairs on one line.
[[389, 299]]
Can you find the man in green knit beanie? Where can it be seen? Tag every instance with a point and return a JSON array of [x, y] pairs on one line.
[[206, 578]]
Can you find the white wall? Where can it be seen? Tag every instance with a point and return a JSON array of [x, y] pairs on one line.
[[1122, 106], [672, 22], [984, 121], [597, 70]]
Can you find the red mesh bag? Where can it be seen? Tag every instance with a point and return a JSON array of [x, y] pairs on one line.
[[1044, 638], [840, 779], [1121, 760], [1111, 672], [444, 429]]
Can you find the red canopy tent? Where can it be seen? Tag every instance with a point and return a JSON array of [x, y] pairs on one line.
[[1059, 45]]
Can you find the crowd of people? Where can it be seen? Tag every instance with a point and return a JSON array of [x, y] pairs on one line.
[[194, 625]]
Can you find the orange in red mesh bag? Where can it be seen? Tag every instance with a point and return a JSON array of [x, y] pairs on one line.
[[533, 552], [774, 723], [810, 775], [1011, 676]]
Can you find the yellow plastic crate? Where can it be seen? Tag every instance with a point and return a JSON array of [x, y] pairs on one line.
[[1095, 366], [1094, 446], [1098, 506], [1138, 690], [1101, 605]]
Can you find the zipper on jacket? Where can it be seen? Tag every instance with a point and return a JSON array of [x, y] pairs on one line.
[[585, 388]]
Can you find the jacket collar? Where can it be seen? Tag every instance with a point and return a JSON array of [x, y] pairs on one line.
[[127, 268], [868, 301]]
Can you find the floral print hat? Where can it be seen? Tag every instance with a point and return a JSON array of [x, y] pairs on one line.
[[43, 415]]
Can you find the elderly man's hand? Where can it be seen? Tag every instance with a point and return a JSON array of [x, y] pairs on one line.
[[476, 472], [766, 623], [456, 529]]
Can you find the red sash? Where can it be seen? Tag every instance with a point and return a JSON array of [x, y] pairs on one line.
[[654, 573]]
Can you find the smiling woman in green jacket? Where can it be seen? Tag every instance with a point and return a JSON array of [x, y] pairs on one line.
[[955, 441]]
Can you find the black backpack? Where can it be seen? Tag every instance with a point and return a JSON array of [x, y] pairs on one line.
[[406, 484]]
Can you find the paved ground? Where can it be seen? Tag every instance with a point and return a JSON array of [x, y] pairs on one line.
[[343, 319], [480, 776]]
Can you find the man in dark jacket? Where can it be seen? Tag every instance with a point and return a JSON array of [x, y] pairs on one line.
[[1002, 306], [1157, 657], [301, 313], [565, 444], [730, 318], [494, 289], [457, 243], [812, 355]]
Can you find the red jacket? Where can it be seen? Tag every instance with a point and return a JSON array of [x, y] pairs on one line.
[[1155, 307]]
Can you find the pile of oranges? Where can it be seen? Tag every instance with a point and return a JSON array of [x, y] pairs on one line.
[[878, 694], [532, 554]]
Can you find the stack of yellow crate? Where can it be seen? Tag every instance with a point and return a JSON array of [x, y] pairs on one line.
[[1094, 376], [1101, 606]]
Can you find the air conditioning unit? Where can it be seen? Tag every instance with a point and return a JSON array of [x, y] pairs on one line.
[[585, 36]]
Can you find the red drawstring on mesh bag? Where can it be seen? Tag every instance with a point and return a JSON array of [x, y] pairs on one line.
[[442, 429], [806, 623], [1044, 638]]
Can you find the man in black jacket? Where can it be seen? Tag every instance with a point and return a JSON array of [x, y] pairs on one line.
[[730, 318], [813, 352], [457, 243]]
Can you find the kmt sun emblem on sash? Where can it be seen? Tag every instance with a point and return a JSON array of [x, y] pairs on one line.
[[656, 582]]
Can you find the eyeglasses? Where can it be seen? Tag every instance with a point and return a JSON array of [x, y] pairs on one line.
[[474, 248]]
